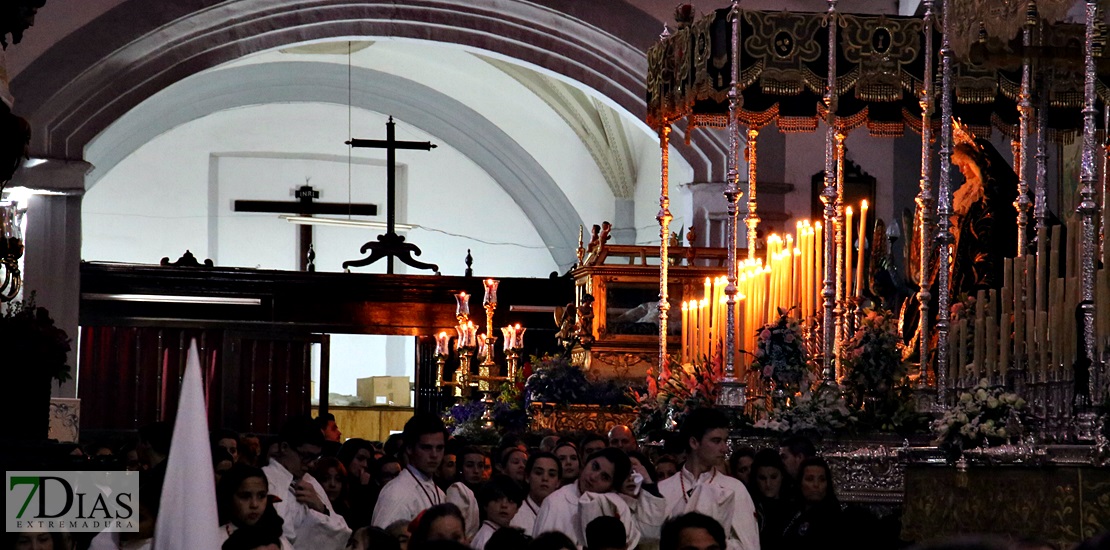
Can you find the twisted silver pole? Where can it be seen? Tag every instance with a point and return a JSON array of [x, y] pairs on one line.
[[828, 197], [925, 201], [1025, 111], [944, 207], [732, 392], [1088, 207], [664, 218]]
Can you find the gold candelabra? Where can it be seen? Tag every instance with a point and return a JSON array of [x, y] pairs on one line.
[[470, 343]]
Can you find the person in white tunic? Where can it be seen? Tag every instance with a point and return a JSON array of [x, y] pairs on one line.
[[702, 487], [543, 474], [414, 490], [473, 466], [243, 503], [569, 509], [499, 499], [310, 521]]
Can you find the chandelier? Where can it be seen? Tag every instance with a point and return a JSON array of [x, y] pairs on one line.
[[11, 250]]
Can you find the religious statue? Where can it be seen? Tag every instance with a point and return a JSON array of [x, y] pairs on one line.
[[584, 324], [983, 227], [565, 321], [984, 221], [599, 235]]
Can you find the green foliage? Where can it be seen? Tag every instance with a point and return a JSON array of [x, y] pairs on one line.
[[30, 340]]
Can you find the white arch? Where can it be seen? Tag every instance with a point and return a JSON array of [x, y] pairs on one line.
[[514, 169], [103, 70]]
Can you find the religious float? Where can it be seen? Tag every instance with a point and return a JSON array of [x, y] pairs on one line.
[[997, 327]]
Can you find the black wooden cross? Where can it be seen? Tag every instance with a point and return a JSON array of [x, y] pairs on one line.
[[305, 206], [391, 244]]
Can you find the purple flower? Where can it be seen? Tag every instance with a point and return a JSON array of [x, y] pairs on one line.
[[765, 335], [768, 371], [789, 338]]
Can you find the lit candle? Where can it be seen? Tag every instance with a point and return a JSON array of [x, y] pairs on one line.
[[862, 244], [790, 274], [819, 272], [796, 287], [462, 308], [483, 348], [685, 331], [518, 336], [507, 334], [443, 343], [491, 292], [848, 291]]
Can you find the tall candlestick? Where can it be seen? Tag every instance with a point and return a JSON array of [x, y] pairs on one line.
[[862, 244], [849, 291]]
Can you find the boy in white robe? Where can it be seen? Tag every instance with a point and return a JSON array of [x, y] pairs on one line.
[[543, 474], [414, 490], [499, 499], [473, 465], [569, 509], [702, 487], [310, 522]]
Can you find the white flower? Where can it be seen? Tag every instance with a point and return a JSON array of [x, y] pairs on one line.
[[992, 403]]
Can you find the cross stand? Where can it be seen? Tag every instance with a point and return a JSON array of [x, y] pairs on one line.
[[391, 244], [305, 206]]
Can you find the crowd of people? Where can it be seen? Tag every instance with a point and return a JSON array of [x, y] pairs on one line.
[[421, 489]]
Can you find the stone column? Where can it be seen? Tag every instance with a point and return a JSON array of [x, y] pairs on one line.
[[52, 261]]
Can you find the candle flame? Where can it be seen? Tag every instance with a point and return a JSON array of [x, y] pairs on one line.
[[848, 210], [863, 205]]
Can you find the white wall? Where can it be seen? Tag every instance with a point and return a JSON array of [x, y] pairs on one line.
[[156, 202], [496, 96]]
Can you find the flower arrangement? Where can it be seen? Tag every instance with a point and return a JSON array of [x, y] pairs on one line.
[[820, 411], [464, 420], [781, 358], [873, 358], [555, 380], [32, 341], [984, 415], [676, 390]]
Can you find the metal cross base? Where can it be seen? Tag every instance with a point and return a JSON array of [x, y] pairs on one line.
[[733, 394], [391, 245]]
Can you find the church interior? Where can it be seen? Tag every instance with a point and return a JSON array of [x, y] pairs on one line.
[[873, 230]]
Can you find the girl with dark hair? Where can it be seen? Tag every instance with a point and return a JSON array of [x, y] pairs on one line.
[[543, 473], [442, 522], [596, 492], [740, 464], [243, 504], [818, 515], [332, 476], [499, 499], [773, 510], [513, 464], [567, 453]]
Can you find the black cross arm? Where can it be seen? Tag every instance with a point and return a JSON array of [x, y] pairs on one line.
[[386, 144], [286, 207]]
